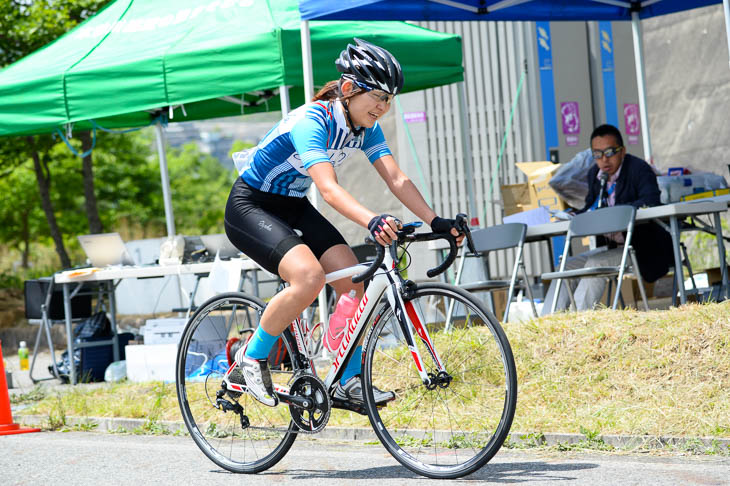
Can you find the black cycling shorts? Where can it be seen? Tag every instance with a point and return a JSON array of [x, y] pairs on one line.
[[262, 224]]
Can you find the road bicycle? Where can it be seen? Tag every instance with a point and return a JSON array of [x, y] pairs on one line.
[[436, 346]]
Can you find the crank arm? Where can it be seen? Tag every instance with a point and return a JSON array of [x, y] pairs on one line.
[[301, 402]]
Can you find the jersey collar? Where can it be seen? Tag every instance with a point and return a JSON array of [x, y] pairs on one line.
[[341, 117]]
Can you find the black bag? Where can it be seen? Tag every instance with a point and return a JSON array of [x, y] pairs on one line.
[[95, 327]]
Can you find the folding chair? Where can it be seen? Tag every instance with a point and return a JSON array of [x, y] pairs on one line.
[[44, 307], [599, 222], [501, 237]]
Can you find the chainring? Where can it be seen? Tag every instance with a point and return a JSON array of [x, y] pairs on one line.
[[310, 386]]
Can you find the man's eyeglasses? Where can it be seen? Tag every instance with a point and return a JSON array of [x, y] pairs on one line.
[[609, 152], [377, 95]]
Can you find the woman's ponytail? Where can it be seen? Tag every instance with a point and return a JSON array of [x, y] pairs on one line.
[[333, 90], [330, 91]]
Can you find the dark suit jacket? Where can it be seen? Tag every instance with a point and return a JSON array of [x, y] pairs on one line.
[[637, 186]]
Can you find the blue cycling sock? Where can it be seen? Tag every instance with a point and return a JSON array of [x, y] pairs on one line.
[[353, 366], [260, 344]]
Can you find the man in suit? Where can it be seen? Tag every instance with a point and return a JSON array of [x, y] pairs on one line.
[[628, 180]]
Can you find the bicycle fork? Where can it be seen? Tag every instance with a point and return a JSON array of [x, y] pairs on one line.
[[409, 317]]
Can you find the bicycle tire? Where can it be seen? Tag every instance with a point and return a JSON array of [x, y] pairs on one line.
[[220, 435], [421, 428]]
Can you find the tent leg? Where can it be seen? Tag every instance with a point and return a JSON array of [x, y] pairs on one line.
[[466, 150], [641, 82], [307, 61], [165, 177], [726, 6], [285, 104], [166, 195]]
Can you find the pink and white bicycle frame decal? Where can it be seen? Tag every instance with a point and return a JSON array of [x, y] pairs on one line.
[[409, 317]]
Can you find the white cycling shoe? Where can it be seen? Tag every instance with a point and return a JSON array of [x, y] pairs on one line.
[[351, 391], [257, 376]]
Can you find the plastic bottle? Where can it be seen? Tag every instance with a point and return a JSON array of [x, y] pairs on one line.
[[345, 309], [23, 356], [116, 371]]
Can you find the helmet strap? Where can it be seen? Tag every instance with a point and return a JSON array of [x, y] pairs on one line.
[[355, 130]]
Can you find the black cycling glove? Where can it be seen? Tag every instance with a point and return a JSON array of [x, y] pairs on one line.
[[375, 226], [442, 225]]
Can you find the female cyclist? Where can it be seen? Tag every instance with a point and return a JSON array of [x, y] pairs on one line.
[[267, 203]]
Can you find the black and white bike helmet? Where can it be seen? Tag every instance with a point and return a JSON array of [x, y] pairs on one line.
[[373, 66]]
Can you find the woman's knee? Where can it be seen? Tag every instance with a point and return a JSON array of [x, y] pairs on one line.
[[303, 275], [308, 281]]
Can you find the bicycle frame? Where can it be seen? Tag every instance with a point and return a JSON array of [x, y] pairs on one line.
[[407, 315]]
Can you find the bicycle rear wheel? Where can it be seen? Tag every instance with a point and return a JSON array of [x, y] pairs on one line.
[[248, 439], [453, 428]]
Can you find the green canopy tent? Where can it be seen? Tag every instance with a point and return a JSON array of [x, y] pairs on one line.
[[143, 62]]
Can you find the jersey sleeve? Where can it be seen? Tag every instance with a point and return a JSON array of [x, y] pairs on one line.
[[309, 136], [374, 144]]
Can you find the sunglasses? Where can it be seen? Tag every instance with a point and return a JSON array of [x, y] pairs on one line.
[[377, 95], [609, 152]]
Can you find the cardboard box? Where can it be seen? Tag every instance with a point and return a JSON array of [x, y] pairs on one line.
[[535, 192], [714, 276], [500, 303]]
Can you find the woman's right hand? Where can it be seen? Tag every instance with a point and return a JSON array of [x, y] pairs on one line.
[[383, 228], [443, 225]]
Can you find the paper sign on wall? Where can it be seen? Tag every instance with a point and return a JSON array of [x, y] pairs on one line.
[[570, 115], [632, 122], [414, 116]]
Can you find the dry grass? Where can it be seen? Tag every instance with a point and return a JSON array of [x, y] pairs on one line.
[[626, 372], [605, 372]]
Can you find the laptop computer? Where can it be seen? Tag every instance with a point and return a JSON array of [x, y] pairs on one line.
[[219, 244], [105, 249]]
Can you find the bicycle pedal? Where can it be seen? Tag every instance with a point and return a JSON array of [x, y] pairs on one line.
[[235, 377]]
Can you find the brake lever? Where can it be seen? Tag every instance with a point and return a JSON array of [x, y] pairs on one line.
[[463, 227]]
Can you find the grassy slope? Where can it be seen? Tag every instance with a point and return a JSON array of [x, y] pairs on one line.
[[607, 372]]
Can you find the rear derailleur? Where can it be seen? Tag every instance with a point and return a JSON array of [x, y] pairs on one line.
[[227, 406]]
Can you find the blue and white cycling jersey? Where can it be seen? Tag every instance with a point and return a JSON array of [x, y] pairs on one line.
[[313, 133]]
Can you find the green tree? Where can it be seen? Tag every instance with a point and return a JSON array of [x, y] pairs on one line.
[[200, 187], [21, 218], [127, 176], [26, 27]]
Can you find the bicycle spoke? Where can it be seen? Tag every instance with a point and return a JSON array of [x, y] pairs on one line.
[[421, 427], [236, 432]]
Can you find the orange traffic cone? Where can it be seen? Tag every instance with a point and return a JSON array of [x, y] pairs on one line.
[[7, 427]]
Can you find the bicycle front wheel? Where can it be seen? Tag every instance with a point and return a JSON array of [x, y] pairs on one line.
[[241, 435], [454, 426]]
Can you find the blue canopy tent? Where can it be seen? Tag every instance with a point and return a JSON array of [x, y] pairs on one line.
[[515, 10]]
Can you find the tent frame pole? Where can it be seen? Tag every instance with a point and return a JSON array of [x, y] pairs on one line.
[[165, 178], [308, 94], [285, 103], [466, 150], [307, 61], [641, 82], [166, 196], [726, 7]]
